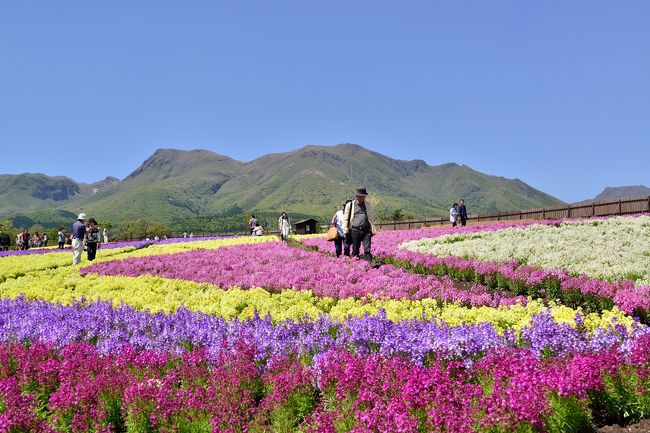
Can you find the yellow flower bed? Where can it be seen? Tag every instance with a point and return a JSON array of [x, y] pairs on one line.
[[65, 285], [51, 277], [17, 266]]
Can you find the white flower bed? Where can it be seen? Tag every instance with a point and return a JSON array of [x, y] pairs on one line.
[[607, 249]]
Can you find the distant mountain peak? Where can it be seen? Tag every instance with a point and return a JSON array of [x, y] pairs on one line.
[[164, 163], [615, 192]]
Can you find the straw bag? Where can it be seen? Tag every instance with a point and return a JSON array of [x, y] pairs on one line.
[[332, 233]]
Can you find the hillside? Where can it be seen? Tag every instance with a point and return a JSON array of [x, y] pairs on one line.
[[311, 181], [616, 192]]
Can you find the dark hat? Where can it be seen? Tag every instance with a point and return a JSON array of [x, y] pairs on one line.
[[362, 192]]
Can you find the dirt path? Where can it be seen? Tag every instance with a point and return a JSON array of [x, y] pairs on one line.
[[642, 426]]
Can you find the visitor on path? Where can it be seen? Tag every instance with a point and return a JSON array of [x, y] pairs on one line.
[[92, 239], [5, 241], [61, 237], [184, 234], [78, 235], [36, 240], [258, 230], [252, 223], [341, 243], [462, 212], [358, 217], [453, 215], [284, 226], [105, 235], [24, 240], [44, 239]]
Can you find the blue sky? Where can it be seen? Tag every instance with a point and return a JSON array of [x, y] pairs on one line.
[[556, 93]]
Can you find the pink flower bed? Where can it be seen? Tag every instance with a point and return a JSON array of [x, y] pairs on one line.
[[385, 245], [76, 389], [275, 266]]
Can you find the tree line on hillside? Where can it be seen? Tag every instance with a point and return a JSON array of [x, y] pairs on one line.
[[146, 227]]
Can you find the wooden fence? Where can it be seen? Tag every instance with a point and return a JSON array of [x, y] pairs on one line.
[[624, 206]]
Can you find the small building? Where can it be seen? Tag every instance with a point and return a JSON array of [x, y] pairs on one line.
[[307, 227]]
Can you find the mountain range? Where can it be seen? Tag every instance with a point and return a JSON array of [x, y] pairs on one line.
[[310, 181], [616, 192]]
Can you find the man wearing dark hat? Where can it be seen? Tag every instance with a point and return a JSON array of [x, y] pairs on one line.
[[358, 224]]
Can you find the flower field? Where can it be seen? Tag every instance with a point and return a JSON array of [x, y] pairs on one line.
[[453, 332]]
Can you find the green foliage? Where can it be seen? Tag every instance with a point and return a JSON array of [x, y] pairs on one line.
[[625, 397], [570, 415], [140, 229], [288, 416]]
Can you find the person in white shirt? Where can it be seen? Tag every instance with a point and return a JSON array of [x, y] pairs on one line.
[[340, 243], [453, 215], [258, 230], [284, 226]]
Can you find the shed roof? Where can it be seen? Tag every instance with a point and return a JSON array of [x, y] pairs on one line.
[[305, 221]]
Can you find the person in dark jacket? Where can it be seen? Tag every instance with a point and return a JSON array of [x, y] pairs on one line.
[[462, 212], [358, 224], [92, 239]]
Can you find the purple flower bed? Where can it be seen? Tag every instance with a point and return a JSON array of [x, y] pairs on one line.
[[78, 389], [32, 251], [110, 329], [275, 266], [138, 244]]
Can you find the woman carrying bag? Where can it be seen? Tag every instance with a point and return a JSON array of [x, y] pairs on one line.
[[340, 243]]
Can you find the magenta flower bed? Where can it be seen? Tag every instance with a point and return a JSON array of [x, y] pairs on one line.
[[623, 293], [78, 390], [275, 266]]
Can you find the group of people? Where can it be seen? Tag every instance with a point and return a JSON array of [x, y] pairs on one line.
[[354, 227], [85, 235], [284, 226], [458, 214], [354, 223], [25, 241]]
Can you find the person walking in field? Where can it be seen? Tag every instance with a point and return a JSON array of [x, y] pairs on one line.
[[341, 245], [252, 223], [92, 239], [358, 217], [105, 235], [462, 212], [61, 237], [284, 226], [25, 236], [78, 235], [453, 215], [44, 239]]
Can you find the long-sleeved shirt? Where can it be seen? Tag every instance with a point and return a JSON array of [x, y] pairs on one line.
[[78, 230], [349, 217], [453, 213], [337, 220], [462, 211]]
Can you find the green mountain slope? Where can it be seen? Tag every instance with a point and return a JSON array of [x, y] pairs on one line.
[[311, 181]]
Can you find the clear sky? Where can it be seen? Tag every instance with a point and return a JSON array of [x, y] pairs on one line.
[[556, 93]]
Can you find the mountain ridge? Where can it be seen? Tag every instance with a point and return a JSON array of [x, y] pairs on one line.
[[310, 181]]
